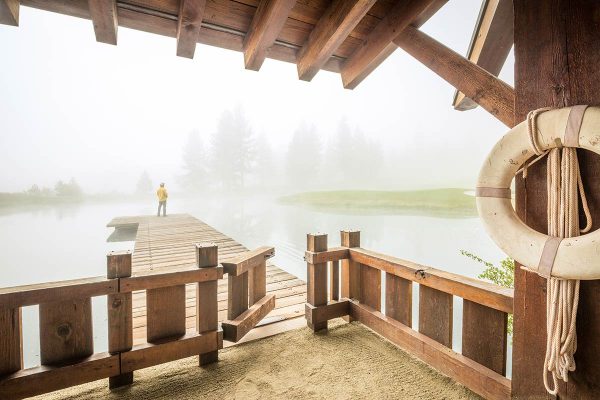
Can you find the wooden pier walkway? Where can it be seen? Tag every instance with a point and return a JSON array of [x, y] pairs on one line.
[[163, 243]]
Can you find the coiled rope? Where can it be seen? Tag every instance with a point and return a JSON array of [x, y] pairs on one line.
[[564, 187]]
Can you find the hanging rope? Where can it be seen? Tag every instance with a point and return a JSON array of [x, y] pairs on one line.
[[564, 186]]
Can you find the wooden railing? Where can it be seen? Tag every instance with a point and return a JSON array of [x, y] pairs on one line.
[[66, 334], [481, 366]]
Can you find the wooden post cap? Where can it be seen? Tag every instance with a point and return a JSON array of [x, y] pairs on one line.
[[207, 255]]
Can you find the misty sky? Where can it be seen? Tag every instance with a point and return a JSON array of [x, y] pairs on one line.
[[72, 107]]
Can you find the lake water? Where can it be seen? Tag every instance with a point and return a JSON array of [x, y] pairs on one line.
[[68, 242]]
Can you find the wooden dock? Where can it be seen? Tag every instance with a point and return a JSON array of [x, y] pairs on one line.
[[163, 243]]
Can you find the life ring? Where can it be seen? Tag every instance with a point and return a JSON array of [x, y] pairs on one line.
[[569, 258]]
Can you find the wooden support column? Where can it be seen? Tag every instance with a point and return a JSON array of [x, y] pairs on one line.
[[316, 276], [266, 25], [120, 314], [104, 17], [350, 269], [340, 18], [188, 26], [9, 12], [378, 45], [557, 54], [207, 255], [485, 89]]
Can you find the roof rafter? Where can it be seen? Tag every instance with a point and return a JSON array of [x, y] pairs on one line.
[[188, 26], [9, 12], [266, 25], [491, 93], [378, 45], [333, 28], [104, 18], [492, 40]]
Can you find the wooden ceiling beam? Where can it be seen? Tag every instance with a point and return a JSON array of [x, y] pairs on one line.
[[191, 13], [338, 21], [104, 17], [266, 25], [9, 12], [491, 93], [491, 42], [378, 45]]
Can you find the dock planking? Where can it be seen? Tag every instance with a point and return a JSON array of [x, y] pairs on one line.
[[167, 243]]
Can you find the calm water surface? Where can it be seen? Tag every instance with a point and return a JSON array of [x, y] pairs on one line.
[[69, 242]]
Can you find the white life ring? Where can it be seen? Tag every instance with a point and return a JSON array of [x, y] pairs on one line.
[[569, 258]]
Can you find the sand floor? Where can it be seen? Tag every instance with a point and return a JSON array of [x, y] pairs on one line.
[[348, 362]]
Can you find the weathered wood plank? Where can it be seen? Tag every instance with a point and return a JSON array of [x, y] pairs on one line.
[[332, 254], [257, 283], [333, 309], [316, 275], [149, 354], [248, 260], [370, 287], [334, 280], [490, 45], [378, 45], [475, 290], [28, 295], [398, 299], [104, 17], [235, 330], [237, 301], [44, 379], [188, 26], [165, 313], [435, 315], [481, 380], [11, 340], [266, 25], [173, 278], [484, 338], [491, 93], [9, 12], [66, 331], [340, 18]]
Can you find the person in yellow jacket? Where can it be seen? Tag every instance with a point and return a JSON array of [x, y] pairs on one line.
[[162, 195]]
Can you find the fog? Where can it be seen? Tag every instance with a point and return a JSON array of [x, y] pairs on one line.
[[108, 115]]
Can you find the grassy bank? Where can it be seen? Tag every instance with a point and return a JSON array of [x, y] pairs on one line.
[[435, 202]]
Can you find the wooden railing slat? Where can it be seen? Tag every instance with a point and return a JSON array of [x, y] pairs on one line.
[[398, 299], [435, 315], [481, 292], [370, 288], [11, 340], [484, 338], [334, 280], [237, 299], [165, 313], [66, 331], [257, 283]]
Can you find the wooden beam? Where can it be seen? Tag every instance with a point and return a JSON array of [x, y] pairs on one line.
[[234, 330], [188, 27], [265, 27], [9, 12], [104, 17], [378, 45], [488, 91], [340, 18], [491, 42]]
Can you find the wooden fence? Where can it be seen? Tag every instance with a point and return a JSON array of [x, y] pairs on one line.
[[66, 334], [355, 293]]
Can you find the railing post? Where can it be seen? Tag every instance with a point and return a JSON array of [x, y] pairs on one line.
[[120, 314], [350, 269], [207, 309], [316, 277]]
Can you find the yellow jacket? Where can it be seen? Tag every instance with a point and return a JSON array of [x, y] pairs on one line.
[[162, 194]]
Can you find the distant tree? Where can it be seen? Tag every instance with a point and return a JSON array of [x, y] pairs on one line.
[[232, 152], [264, 168], [70, 189], [195, 163], [144, 184], [303, 158], [34, 190]]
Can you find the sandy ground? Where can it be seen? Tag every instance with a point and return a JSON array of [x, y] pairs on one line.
[[348, 362]]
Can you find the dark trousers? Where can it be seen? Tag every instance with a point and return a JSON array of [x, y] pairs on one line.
[[162, 204]]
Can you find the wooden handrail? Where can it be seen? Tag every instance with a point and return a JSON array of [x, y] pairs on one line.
[[248, 260], [475, 290], [29, 295], [182, 276], [332, 254]]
